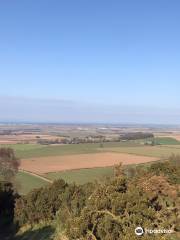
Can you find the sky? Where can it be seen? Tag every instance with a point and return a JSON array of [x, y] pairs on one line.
[[109, 61]]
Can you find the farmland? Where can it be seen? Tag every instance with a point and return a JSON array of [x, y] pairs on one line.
[[150, 151], [167, 141], [82, 162], [92, 164], [69, 162], [42, 165], [37, 150]]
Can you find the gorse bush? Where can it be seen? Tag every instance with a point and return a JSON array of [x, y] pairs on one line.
[[42, 204], [109, 210], [115, 209], [171, 169]]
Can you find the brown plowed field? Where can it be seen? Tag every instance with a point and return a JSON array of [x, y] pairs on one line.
[[60, 163]]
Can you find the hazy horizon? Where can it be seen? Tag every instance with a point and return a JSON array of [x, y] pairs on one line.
[[25, 109]]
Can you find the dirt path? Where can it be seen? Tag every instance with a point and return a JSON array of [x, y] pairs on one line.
[[36, 175]]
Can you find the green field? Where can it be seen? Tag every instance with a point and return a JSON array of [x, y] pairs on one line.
[[151, 151], [166, 141], [27, 182], [82, 176], [37, 150]]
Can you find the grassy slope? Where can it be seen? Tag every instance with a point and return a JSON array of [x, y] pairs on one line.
[[27, 182], [83, 175]]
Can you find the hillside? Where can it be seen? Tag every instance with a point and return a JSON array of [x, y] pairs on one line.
[[112, 209]]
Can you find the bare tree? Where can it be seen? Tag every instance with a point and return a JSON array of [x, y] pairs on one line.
[[9, 164]]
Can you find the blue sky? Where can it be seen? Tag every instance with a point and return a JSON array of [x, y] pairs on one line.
[[104, 61]]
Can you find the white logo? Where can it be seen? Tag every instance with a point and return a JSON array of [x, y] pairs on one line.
[[139, 231]]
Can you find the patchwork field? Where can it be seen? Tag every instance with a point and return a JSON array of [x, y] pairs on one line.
[[37, 150], [24, 138], [81, 163], [60, 163]]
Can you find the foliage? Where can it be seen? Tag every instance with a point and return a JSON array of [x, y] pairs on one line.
[[38, 232], [136, 135], [170, 168], [118, 170], [117, 208], [73, 201], [9, 164], [109, 210], [7, 200], [42, 204]]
